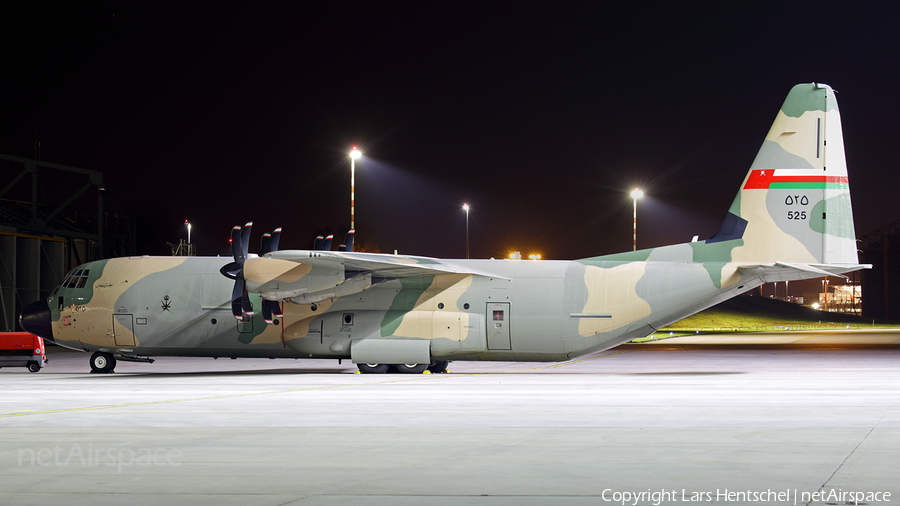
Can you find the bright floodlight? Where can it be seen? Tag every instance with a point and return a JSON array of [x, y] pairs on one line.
[[355, 154], [636, 193], [466, 207]]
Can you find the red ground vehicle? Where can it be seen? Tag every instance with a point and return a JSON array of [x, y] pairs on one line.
[[21, 349]]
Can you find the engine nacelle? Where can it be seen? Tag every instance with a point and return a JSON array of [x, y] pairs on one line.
[[276, 279]]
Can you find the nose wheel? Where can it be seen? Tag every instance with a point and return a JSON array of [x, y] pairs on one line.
[[102, 362]]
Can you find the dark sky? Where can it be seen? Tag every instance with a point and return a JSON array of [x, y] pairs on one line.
[[541, 116]]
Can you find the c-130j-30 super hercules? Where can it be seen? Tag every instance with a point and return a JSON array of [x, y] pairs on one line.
[[791, 220]]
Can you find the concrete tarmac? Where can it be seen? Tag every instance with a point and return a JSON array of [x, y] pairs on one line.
[[785, 419]]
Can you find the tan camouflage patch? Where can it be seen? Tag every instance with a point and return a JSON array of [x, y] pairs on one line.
[[612, 291], [297, 318], [763, 239], [428, 321], [264, 270], [799, 136]]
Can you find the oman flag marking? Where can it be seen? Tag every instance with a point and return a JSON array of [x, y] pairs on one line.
[[767, 179]]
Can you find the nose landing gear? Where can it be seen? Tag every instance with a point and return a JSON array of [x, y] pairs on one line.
[[102, 362]]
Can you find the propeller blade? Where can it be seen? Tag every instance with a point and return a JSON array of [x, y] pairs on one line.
[[237, 295], [267, 310], [236, 246], [265, 244], [327, 245], [246, 304], [276, 236], [318, 244], [245, 239], [276, 309], [348, 241]]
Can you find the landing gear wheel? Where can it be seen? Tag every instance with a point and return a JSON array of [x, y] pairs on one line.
[[373, 368], [34, 367], [411, 368], [102, 362], [439, 367]]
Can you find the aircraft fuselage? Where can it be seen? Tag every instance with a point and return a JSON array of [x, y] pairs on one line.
[[514, 310]]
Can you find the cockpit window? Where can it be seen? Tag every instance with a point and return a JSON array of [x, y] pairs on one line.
[[76, 279]]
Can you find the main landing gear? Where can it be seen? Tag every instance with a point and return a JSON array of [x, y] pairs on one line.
[[434, 368], [102, 362]]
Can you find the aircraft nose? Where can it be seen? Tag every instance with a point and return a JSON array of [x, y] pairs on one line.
[[35, 318]]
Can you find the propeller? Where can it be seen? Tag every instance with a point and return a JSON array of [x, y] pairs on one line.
[[241, 307], [271, 308], [317, 245]]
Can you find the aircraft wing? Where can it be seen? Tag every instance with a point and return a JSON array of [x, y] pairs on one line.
[[379, 265], [784, 271], [309, 276]]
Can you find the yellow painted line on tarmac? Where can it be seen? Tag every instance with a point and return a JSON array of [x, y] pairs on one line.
[[807, 337], [556, 365], [291, 390], [212, 397]]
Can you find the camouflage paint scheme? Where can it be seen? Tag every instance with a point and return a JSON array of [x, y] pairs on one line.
[[791, 219]]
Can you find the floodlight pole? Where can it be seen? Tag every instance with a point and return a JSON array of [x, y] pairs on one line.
[[635, 194], [354, 154], [466, 209]]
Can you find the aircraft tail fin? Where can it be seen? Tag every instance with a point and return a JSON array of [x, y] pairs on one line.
[[794, 203]]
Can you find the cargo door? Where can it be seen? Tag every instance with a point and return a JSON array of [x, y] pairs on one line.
[[497, 319], [123, 329]]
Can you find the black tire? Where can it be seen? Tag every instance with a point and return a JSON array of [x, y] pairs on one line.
[[411, 368], [373, 368], [102, 362], [439, 367], [34, 367]]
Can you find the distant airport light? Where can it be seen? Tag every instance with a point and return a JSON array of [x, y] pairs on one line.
[[515, 255], [355, 154], [534, 256]]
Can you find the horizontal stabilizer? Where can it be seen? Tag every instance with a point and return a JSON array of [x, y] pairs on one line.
[[783, 271]]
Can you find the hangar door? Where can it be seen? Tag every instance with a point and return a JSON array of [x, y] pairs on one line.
[[497, 319]]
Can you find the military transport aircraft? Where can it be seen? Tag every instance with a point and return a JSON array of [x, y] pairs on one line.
[[791, 219]]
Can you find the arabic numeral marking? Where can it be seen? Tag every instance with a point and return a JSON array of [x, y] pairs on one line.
[[801, 200], [796, 215]]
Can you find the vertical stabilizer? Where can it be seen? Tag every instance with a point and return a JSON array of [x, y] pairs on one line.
[[794, 203]]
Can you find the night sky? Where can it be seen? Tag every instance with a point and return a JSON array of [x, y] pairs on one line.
[[541, 116]]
